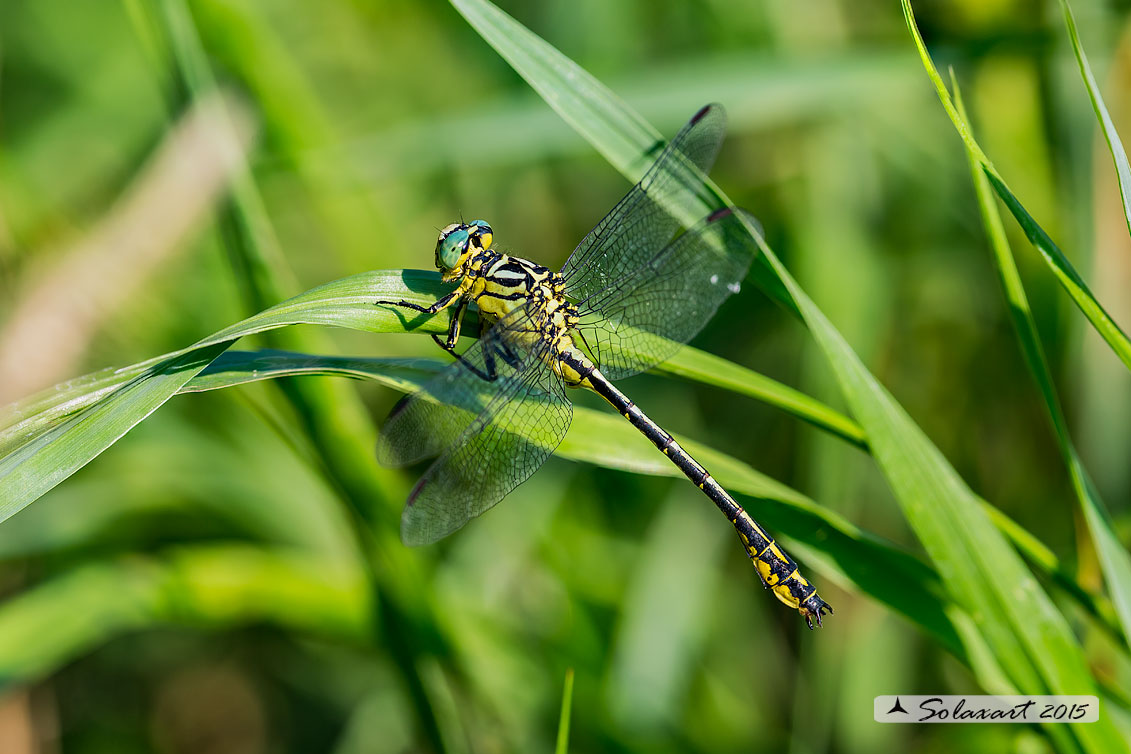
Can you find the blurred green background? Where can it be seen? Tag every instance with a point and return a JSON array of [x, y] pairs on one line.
[[198, 588]]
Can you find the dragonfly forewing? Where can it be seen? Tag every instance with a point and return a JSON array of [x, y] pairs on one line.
[[648, 216], [643, 318]]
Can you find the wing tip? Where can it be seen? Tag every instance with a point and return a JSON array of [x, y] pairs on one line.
[[719, 214], [709, 107]]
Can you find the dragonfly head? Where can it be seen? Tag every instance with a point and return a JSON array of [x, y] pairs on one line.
[[457, 243]]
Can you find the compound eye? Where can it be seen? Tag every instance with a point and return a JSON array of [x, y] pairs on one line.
[[483, 231], [451, 247]]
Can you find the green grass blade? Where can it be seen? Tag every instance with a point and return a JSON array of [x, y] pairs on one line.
[[709, 369], [1029, 637], [68, 411], [562, 746], [27, 419], [837, 547], [1061, 268], [41, 453], [1114, 559], [36, 466], [887, 574], [1111, 136], [607, 442], [982, 573]]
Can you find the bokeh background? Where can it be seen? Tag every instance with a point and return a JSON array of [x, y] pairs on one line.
[[198, 588]]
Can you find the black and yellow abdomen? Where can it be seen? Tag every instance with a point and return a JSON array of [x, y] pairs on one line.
[[778, 571]]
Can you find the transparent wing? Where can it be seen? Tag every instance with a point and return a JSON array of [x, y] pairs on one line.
[[643, 317], [490, 434], [641, 223]]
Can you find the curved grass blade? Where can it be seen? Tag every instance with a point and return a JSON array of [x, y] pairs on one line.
[[1030, 638], [603, 440], [1061, 268], [39, 455], [835, 545], [1111, 136], [1114, 559], [602, 446], [59, 415]]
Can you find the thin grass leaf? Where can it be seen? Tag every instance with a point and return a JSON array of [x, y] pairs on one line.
[[1030, 639], [36, 466], [1114, 559], [853, 556], [709, 369], [604, 440], [562, 746], [591, 109], [1061, 268], [66, 414], [1111, 136], [39, 454], [27, 419]]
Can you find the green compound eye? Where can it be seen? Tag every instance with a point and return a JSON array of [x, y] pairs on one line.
[[451, 248]]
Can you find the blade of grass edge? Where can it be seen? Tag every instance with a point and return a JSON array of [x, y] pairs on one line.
[[981, 571], [1114, 559], [625, 131], [1057, 262], [1111, 136], [337, 303], [1030, 638]]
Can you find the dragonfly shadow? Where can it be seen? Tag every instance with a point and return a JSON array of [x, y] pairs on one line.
[[417, 281]]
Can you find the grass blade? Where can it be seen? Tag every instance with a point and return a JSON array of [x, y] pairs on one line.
[[66, 418], [1111, 136], [562, 746], [606, 441], [37, 466], [981, 572], [39, 453], [1114, 559], [835, 545], [1061, 268]]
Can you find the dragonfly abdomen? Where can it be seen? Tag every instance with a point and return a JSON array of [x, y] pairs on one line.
[[778, 571]]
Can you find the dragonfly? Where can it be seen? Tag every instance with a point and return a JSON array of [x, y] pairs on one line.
[[635, 289]]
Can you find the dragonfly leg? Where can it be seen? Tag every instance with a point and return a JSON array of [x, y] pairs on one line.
[[508, 355], [449, 344], [440, 304], [489, 374]]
